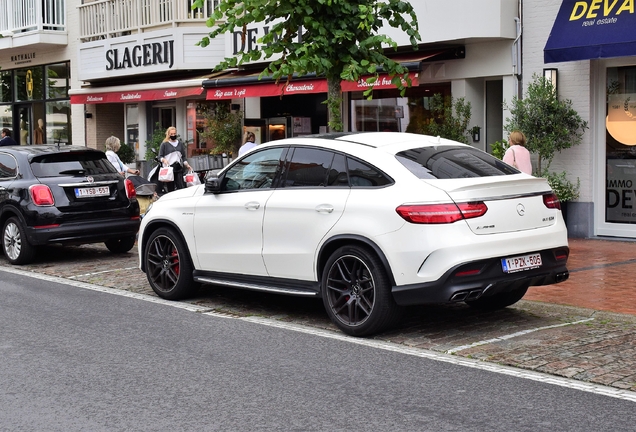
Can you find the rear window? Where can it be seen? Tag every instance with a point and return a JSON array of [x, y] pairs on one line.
[[451, 162], [71, 163]]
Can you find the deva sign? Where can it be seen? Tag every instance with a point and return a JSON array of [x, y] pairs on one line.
[[606, 8]]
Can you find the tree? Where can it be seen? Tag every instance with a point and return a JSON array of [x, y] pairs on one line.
[[448, 118], [550, 124], [337, 39], [222, 128]]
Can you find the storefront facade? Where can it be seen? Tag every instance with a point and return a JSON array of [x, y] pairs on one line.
[[592, 45]]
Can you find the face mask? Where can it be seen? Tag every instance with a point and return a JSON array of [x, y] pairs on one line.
[[173, 137]]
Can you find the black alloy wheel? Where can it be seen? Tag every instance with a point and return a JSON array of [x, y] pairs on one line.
[[356, 292], [168, 265]]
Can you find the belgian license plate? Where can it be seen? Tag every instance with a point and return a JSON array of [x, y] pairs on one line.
[[520, 263], [92, 192]]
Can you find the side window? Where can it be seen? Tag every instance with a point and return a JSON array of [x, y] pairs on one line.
[[338, 176], [308, 167], [8, 167], [361, 174], [257, 171]]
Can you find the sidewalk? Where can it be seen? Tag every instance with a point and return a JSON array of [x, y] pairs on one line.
[[602, 277]]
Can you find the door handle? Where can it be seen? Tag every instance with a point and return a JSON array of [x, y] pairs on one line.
[[324, 208], [252, 205]]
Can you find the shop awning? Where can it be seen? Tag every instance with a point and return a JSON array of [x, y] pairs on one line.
[[586, 30], [299, 86], [95, 97]]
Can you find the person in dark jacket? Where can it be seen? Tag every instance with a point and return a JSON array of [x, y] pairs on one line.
[[6, 138], [172, 152]]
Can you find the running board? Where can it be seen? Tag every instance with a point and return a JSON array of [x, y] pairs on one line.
[[256, 287]]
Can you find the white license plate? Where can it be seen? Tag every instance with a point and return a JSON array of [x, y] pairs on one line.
[[520, 263], [92, 192]]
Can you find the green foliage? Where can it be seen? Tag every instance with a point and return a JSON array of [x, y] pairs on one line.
[[332, 38], [449, 119], [564, 189], [223, 129], [499, 148], [550, 124], [158, 135], [126, 153]]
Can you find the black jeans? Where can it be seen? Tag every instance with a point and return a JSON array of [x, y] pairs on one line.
[[178, 182]]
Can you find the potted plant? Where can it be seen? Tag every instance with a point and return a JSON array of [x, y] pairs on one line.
[[222, 130]]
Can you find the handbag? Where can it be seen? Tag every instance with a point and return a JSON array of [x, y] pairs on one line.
[[191, 179], [166, 174]]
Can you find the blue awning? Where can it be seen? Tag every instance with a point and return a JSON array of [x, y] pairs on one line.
[[589, 29]]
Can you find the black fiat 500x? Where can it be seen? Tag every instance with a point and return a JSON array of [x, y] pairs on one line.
[[63, 194]]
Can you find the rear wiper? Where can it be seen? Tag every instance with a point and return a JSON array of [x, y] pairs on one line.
[[74, 171]]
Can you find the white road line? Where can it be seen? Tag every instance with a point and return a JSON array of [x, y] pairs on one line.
[[513, 335], [101, 272], [372, 343]]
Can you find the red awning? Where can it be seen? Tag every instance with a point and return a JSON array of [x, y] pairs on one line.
[[297, 87], [135, 96]]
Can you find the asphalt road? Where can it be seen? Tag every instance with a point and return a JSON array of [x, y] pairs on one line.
[[80, 359]]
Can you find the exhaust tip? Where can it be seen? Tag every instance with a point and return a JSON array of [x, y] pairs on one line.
[[561, 277]]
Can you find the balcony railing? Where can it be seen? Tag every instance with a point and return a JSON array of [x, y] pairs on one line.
[[21, 16], [101, 19]]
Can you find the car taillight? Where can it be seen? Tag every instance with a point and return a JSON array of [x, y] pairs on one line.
[[130, 189], [41, 195], [551, 201], [441, 213]]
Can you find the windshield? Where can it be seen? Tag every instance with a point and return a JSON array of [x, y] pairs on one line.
[[71, 163]]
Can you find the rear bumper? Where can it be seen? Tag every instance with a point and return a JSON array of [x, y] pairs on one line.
[[489, 280], [95, 231]]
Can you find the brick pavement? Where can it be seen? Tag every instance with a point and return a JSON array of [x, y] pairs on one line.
[[584, 328]]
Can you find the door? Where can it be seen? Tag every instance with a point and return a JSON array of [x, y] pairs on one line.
[[302, 210], [229, 225]]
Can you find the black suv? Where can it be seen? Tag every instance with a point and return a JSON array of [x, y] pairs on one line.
[[63, 194]]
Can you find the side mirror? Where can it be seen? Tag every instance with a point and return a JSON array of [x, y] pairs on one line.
[[213, 185]]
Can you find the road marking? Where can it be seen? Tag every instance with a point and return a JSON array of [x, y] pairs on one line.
[[513, 335], [372, 343], [101, 272]]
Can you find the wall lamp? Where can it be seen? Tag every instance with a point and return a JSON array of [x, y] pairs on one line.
[[552, 75]]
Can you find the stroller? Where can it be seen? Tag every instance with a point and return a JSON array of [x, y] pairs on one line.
[[146, 192]]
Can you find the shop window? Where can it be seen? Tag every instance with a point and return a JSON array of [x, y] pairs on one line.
[[620, 145], [6, 116], [28, 83], [58, 122], [57, 82], [132, 126], [6, 93], [388, 111]]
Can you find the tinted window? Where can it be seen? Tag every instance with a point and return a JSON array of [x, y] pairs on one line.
[[71, 163], [256, 171], [361, 174], [338, 173], [449, 162], [8, 166], [308, 167]]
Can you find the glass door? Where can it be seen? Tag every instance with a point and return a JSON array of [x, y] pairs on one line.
[[24, 135]]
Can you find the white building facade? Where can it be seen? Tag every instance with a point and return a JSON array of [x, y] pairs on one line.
[[592, 44]]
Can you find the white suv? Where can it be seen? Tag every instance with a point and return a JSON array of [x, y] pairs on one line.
[[367, 221]]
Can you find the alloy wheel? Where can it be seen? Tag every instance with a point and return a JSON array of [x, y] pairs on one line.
[[163, 263], [12, 241], [350, 290]]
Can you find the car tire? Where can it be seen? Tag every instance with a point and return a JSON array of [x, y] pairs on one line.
[[15, 244], [356, 292], [168, 265], [498, 301], [120, 245]]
